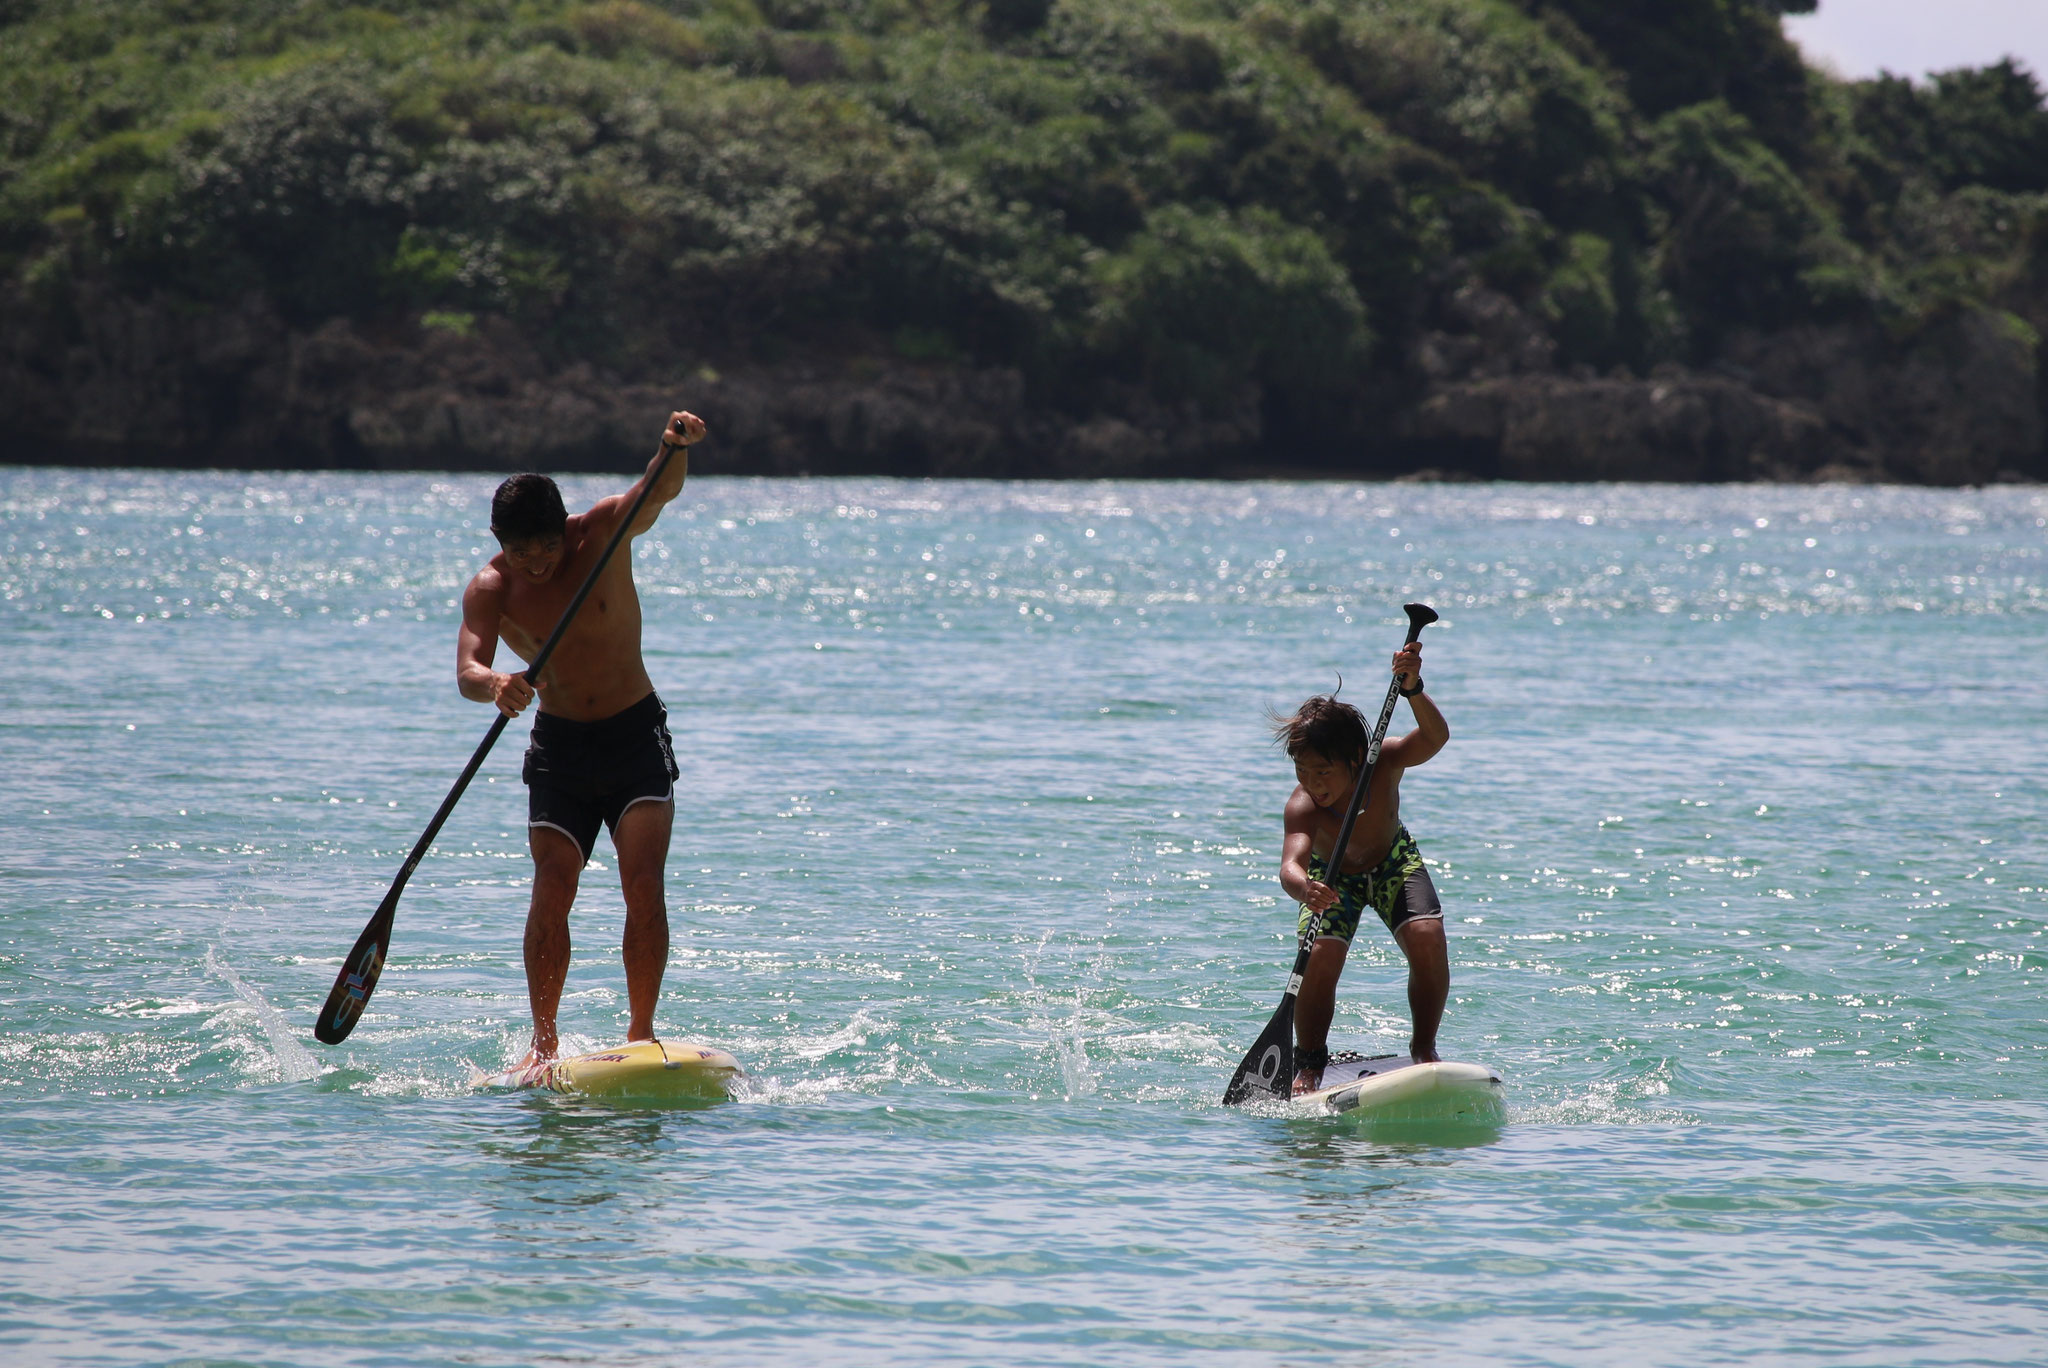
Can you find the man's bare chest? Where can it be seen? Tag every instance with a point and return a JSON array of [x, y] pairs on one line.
[[528, 617], [530, 614]]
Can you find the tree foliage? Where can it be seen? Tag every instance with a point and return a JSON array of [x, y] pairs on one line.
[[1186, 195]]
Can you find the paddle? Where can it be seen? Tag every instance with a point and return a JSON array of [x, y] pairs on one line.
[[359, 972], [1268, 1067]]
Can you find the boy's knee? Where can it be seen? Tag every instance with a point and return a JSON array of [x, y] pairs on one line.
[[1424, 938]]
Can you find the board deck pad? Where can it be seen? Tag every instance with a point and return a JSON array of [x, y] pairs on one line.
[[1396, 1088], [640, 1070]]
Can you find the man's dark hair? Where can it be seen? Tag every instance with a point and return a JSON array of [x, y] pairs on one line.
[[527, 508], [1322, 724]]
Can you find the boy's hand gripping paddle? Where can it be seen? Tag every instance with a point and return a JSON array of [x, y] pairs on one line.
[[1268, 1067]]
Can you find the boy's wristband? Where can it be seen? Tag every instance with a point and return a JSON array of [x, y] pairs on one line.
[[1410, 693]]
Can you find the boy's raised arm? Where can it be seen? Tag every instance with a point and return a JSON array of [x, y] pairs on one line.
[[1431, 732]]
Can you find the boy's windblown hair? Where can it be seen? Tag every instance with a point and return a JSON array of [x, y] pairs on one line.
[[1323, 725], [527, 507]]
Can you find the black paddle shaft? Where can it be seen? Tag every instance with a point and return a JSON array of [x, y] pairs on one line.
[[365, 962], [1268, 1067]]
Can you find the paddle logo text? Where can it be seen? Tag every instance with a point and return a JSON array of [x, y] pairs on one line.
[[359, 984], [1269, 1069]]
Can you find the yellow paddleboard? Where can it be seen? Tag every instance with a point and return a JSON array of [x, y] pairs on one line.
[[1395, 1088], [641, 1070]]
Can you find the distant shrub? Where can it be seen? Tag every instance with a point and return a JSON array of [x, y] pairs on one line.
[[1002, 20], [1676, 53], [1580, 301], [1201, 303], [617, 27], [306, 180], [1482, 83], [449, 321], [914, 343], [1971, 127], [1741, 227], [449, 268]]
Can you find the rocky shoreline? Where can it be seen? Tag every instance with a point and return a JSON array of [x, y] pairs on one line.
[[135, 382]]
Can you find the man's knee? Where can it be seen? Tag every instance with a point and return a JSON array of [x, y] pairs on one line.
[[557, 863], [642, 836], [645, 907], [641, 880]]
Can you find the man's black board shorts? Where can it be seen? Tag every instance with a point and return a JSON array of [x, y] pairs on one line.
[[583, 775]]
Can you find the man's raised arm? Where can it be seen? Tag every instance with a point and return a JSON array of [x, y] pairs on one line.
[[684, 431]]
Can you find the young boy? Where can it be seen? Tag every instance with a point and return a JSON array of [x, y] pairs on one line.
[[1381, 869]]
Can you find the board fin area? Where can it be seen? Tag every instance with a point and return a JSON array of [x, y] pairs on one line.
[[1394, 1088], [638, 1071]]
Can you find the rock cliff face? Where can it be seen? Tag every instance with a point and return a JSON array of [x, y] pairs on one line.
[[1957, 403], [1672, 427], [143, 382]]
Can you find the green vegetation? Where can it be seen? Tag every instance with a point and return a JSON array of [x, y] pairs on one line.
[[1185, 196]]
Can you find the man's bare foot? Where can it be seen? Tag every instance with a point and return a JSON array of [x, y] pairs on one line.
[[1307, 1081], [1422, 1054]]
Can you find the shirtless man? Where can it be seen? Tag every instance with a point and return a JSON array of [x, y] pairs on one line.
[[1381, 868], [600, 754]]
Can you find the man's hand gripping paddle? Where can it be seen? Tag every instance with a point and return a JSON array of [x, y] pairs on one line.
[[1268, 1067], [358, 976]]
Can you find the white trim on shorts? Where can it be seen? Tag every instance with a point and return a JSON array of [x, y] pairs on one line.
[[554, 826], [668, 797]]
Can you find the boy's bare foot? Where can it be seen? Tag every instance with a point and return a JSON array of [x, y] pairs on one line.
[[1422, 1054], [1307, 1081]]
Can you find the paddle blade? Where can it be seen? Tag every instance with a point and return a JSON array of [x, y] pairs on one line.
[[1267, 1073], [357, 979]]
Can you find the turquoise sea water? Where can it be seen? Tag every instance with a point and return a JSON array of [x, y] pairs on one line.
[[1740, 837]]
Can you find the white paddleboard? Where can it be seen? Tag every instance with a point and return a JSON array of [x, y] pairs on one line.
[[641, 1070], [1396, 1088]]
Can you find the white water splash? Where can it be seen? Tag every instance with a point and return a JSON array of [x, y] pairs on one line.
[[867, 1060], [850, 1036], [1064, 1030], [294, 1062]]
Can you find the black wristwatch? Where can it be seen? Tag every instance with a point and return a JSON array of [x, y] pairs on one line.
[[1410, 693]]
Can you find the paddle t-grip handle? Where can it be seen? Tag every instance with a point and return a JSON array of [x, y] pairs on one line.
[[1420, 615]]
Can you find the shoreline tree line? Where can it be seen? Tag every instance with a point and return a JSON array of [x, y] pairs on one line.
[[1300, 217]]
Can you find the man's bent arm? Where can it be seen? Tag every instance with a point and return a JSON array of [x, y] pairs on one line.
[[476, 646]]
